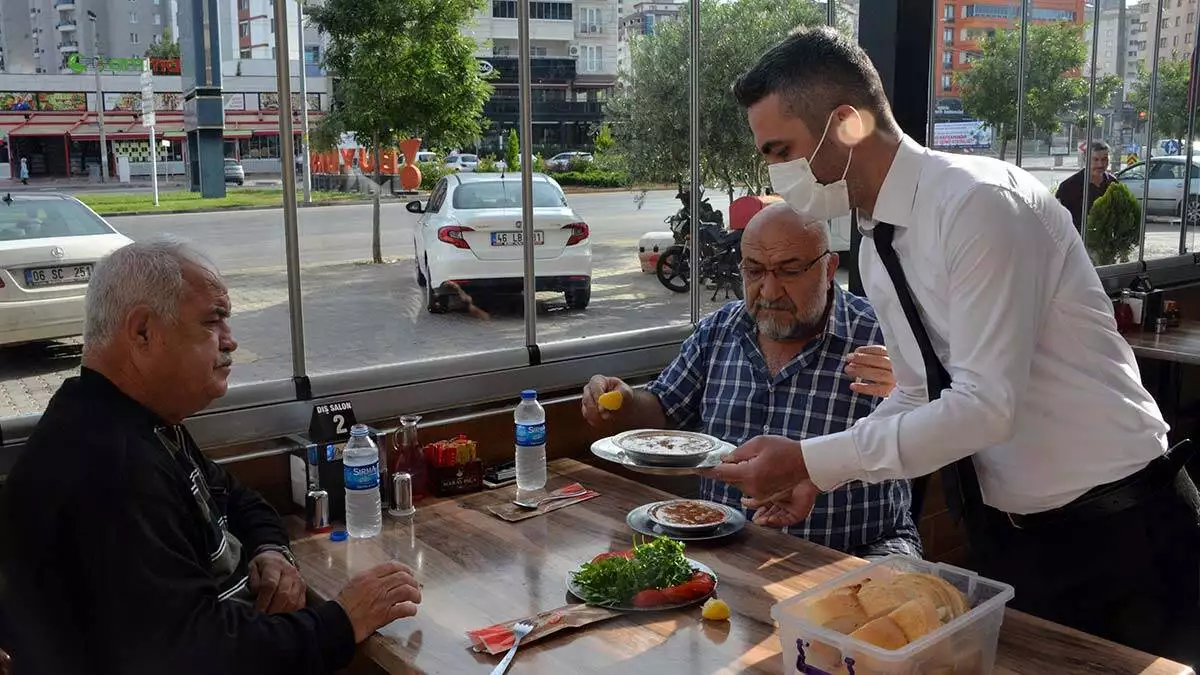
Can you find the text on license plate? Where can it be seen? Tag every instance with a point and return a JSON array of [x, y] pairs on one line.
[[54, 276], [517, 238]]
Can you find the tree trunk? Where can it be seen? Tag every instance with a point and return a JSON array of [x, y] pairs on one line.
[[1003, 142], [376, 244]]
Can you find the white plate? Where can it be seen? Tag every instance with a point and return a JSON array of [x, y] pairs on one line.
[[678, 527], [605, 449], [639, 520], [696, 566]]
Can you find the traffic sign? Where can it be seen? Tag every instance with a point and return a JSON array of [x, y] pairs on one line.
[[148, 118]]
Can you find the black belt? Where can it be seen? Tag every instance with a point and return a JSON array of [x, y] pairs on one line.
[[1112, 498]]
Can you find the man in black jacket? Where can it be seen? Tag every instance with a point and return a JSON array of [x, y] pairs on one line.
[[125, 549]]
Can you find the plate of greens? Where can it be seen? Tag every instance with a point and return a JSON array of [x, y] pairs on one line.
[[653, 575]]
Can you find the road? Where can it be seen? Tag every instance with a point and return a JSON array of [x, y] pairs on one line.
[[359, 315]]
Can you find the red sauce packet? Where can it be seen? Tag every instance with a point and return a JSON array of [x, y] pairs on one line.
[[498, 638]]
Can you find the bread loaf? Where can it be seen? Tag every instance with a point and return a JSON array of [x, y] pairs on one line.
[[882, 632]]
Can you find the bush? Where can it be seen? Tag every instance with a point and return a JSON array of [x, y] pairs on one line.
[[512, 150], [539, 164], [593, 178], [431, 173], [1114, 225], [487, 165]]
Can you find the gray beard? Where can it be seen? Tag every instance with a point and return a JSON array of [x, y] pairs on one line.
[[795, 327]]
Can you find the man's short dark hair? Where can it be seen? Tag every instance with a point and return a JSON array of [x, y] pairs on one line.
[[813, 71], [1101, 146]]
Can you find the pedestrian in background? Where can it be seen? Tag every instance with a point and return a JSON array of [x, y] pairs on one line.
[[24, 171]]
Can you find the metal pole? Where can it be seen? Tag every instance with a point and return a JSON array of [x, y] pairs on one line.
[[99, 98], [1021, 67], [933, 65], [694, 156], [524, 88], [291, 227], [307, 170], [154, 165], [1152, 96], [1091, 118], [1186, 219], [831, 13]]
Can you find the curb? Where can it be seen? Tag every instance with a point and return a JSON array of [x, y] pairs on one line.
[[168, 212]]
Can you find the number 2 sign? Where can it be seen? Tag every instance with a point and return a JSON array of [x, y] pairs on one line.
[[331, 422]]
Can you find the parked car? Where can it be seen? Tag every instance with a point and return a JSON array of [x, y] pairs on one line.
[[470, 236], [427, 156], [462, 162], [234, 173], [562, 161], [49, 244], [1166, 187]]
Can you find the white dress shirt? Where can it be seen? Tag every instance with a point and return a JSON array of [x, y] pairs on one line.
[[1046, 394]]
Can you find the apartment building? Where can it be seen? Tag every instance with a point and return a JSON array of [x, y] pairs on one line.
[[38, 36], [1112, 38], [248, 34], [641, 19], [961, 26], [574, 51]]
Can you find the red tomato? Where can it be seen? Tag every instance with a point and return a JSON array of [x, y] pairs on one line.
[[628, 555], [697, 587], [649, 598]]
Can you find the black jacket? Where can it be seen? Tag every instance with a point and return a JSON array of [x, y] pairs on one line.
[[106, 555]]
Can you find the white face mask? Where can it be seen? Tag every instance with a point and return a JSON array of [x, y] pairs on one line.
[[795, 183]]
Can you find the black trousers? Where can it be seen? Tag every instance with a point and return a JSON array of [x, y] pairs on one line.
[[1132, 577]]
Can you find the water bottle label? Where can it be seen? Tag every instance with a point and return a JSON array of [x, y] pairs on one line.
[[529, 435], [365, 477]]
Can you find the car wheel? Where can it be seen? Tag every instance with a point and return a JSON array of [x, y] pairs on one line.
[[421, 280], [433, 302], [1191, 211], [579, 297]]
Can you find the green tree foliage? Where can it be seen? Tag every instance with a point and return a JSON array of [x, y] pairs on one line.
[[1054, 91], [1170, 104], [1113, 226], [649, 108], [401, 70], [512, 151], [167, 48]]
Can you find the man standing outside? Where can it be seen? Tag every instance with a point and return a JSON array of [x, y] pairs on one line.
[[1008, 364], [1097, 177]]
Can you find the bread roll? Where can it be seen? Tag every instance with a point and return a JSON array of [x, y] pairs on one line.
[[882, 632], [916, 618], [839, 611], [881, 596]]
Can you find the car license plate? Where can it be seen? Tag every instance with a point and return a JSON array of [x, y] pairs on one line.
[[58, 276], [517, 238]]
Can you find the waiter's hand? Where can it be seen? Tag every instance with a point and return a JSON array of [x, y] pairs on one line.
[[873, 370], [278, 585], [785, 508], [763, 467]]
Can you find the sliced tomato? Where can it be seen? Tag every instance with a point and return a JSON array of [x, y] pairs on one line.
[[628, 555], [695, 588], [650, 597]]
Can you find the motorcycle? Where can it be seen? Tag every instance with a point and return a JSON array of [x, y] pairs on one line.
[[720, 251]]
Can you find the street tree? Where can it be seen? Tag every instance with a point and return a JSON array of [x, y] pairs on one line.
[[1170, 99], [1055, 91], [167, 48], [649, 111], [401, 70], [512, 151]]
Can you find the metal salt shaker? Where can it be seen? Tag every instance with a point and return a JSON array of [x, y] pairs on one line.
[[1160, 324], [317, 510], [402, 497]]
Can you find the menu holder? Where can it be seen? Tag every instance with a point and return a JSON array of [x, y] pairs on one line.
[[456, 479]]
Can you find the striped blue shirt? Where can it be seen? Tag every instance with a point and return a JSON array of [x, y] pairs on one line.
[[720, 385]]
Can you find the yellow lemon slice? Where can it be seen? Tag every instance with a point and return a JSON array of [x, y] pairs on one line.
[[611, 400], [715, 610]]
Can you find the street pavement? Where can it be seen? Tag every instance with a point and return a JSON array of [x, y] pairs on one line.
[[360, 315]]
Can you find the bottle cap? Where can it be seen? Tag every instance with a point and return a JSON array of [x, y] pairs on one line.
[[529, 394], [359, 430], [338, 535]]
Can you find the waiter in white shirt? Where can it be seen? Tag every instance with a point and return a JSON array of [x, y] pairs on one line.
[[1012, 378]]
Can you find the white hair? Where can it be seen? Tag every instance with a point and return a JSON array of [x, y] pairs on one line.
[[148, 273]]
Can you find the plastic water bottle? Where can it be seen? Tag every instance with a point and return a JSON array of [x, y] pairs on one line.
[[360, 459], [530, 419]]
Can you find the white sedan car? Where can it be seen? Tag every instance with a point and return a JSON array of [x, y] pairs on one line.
[[462, 162], [48, 247], [470, 237]]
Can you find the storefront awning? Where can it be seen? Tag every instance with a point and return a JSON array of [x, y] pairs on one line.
[[41, 130], [112, 132]]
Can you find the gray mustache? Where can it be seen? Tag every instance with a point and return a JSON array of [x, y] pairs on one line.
[[784, 305], [225, 361]]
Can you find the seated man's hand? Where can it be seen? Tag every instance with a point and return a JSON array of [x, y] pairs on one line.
[[278, 584], [597, 386], [763, 467], [5, 663], [873, 369], [378, 597], [785, 508]]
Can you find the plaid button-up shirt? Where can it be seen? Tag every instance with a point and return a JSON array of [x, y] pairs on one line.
[[720, 385]]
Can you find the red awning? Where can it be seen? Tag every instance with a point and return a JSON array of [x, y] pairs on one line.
[[112, 132], [42, 130]]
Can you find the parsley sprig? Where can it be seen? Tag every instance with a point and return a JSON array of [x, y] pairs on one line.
[[614, 581]]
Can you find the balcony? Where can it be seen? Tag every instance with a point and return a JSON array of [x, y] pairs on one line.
[[68, 47], [502, 109], [586, 30], [67, 26], [65, 5], [541, 69]]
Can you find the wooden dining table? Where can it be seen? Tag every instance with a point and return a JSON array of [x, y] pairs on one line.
[[478, 570]]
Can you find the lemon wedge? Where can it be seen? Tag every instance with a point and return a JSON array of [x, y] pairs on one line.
[[715, 610], [611, 400]]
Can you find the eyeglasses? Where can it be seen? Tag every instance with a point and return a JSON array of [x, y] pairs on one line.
[[755, 273]]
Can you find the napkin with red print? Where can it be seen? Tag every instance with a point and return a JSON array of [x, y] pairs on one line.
[[499, 638], [513, 513]]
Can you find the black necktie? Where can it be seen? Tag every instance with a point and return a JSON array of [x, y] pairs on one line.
[[959, 479]]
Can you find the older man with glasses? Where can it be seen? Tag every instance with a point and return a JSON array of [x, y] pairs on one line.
[[798, 358]]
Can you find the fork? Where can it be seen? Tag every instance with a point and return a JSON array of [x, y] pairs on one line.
[[519, 630], [538, 503]]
